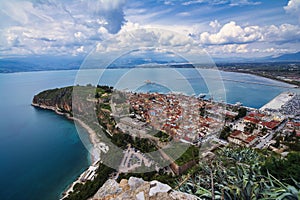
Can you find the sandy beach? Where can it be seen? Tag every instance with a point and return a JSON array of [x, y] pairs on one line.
[[94, 139]]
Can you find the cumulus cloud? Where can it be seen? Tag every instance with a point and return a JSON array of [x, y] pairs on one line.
[[215, 24], [145, 39], [74, 27], [112, 11], [293, 7], [235, 48], [142, 36], [228, 49], [57, 27], [231, 33], [282, 34]]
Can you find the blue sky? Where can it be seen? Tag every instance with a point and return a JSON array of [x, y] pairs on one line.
[[223, 28]]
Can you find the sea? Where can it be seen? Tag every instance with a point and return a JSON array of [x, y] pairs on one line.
[[41, 152]]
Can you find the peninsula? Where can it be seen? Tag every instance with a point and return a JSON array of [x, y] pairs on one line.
[[179, 140]]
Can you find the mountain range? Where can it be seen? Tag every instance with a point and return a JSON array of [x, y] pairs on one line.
[[45, 63]]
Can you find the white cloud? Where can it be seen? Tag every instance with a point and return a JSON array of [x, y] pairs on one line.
[[223, 2], [293, 7], [111, 11], [80, 49], [282, 33], [111, 5], [153, 39], [168, 3], [235, 48], [151, 36], [73, 27], [231, 33], [57, 27], [215, 24], [184, 14], [228, 49], [243, 2], [78, 34]]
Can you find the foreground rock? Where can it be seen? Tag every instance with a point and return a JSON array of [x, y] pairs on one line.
[[138, 189]]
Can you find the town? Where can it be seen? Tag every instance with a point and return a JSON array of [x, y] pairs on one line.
[[194, 120], [170, 137]]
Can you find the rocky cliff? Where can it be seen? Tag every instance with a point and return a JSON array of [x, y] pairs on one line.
[[56, 99], [138, 189]]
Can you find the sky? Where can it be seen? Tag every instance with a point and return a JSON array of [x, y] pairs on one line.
[[223, 28]]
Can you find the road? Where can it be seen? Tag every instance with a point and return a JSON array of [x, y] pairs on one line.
[[265, 141]]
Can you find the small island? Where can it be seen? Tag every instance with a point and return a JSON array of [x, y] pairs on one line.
[[209, 149]]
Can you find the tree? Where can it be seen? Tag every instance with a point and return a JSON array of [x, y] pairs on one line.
[[242, 112], [97, 96], [225, 133], [277, 144]]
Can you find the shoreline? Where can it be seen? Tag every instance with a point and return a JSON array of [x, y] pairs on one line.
[[221, 69], [93, 138], [293, 86], [277, 102]]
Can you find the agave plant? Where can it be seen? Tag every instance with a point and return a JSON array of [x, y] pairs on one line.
[[241, 179]]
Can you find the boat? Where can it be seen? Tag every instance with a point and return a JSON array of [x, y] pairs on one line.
[[238, 104], [148, 82]]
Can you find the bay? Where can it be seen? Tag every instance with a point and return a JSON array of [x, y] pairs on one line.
[[41, 152]]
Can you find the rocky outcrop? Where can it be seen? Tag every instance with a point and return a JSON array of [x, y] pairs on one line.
[[56, 99], [138, 189]]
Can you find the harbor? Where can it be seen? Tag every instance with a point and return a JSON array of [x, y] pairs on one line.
[[278, 101]]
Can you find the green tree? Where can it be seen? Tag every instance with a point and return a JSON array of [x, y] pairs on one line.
[[242, 112], [225, 133]]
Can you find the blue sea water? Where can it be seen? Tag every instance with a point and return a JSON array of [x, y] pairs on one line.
[[41, 152]]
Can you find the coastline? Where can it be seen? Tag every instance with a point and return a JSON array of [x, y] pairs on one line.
[[293, 85], [277, 102], [93, 138]]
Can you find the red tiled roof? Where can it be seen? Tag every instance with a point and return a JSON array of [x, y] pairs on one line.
[[250, 138], [247, 133], [235, 133], [253, 114], [296, 123], [251, 119], [272, 124]]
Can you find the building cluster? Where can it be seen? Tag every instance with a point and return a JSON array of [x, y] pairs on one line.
[[292, 107], [292, 126], [178, 115], [191, 119], [253, 127], [135, 127]]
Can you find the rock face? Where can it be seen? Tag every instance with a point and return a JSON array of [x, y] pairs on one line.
[[138, 189], [55, 99]]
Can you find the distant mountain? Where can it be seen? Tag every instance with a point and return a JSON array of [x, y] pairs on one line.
[[39, 63], [291, 57], [288, 57], [45, 63]]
